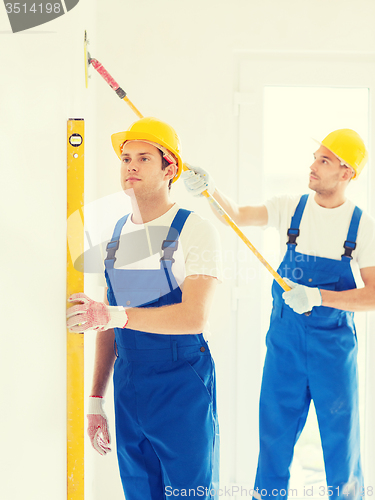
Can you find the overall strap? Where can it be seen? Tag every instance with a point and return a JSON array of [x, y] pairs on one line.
[[350, 243], [293, 231], [113, 245], [170, 244]]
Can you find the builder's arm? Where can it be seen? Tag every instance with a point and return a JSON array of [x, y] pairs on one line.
[[198, 180], [302, 298], [187, 317], [358, 299]]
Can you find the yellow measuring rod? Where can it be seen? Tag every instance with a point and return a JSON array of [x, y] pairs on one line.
[[220, 210], [75, 283]]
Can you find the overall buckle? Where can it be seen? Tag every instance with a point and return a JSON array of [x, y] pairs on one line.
[[349, 247], [293, 235], [112, 248], [169, 247]]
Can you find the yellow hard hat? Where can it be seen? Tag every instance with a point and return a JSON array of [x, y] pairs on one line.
[[349, 148], [154, 131]]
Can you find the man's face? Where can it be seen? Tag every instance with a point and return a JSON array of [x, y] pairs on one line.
[[141, 168], [326, 173]]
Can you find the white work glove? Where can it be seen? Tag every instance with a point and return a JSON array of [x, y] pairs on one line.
[[197, 180], [94, 315], [302, 298], [97, 428]]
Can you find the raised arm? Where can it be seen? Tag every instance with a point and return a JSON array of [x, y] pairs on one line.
[[242, 215], [198, 180]]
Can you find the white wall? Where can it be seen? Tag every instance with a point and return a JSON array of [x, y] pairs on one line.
[[176, 59], [42, 85]]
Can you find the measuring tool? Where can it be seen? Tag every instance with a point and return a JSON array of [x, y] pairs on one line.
[[75, 283]]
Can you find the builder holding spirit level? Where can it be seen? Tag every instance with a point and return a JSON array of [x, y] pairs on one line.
[[311, 342], [155, 310]]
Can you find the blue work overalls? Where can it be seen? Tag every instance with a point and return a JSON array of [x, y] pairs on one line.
[[311, 357], [164, 388]]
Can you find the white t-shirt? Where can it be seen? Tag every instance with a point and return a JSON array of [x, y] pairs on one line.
[[323, 231], [198, 249]]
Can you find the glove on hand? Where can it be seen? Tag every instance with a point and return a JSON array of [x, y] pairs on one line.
[[198, 180], [98, 426], [302, 298], [94, 315]]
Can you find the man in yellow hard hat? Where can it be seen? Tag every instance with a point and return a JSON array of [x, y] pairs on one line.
[[311, 342], [155, 310]]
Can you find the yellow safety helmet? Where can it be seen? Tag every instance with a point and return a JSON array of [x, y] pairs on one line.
[[154, 131], [349, 148]]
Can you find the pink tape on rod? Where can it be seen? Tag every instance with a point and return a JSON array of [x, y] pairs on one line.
[[104, 73]]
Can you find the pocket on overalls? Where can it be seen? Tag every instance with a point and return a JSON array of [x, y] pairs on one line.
[[314, 278], [201, 368], [137, 298], [325, 281], [345, 331]]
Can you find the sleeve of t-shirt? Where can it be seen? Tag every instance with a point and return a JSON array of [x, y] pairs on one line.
[[366, 242], [280, 210], [202, 250]]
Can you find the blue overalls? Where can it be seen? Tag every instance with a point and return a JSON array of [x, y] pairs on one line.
[[311, 357], [164, 388]]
